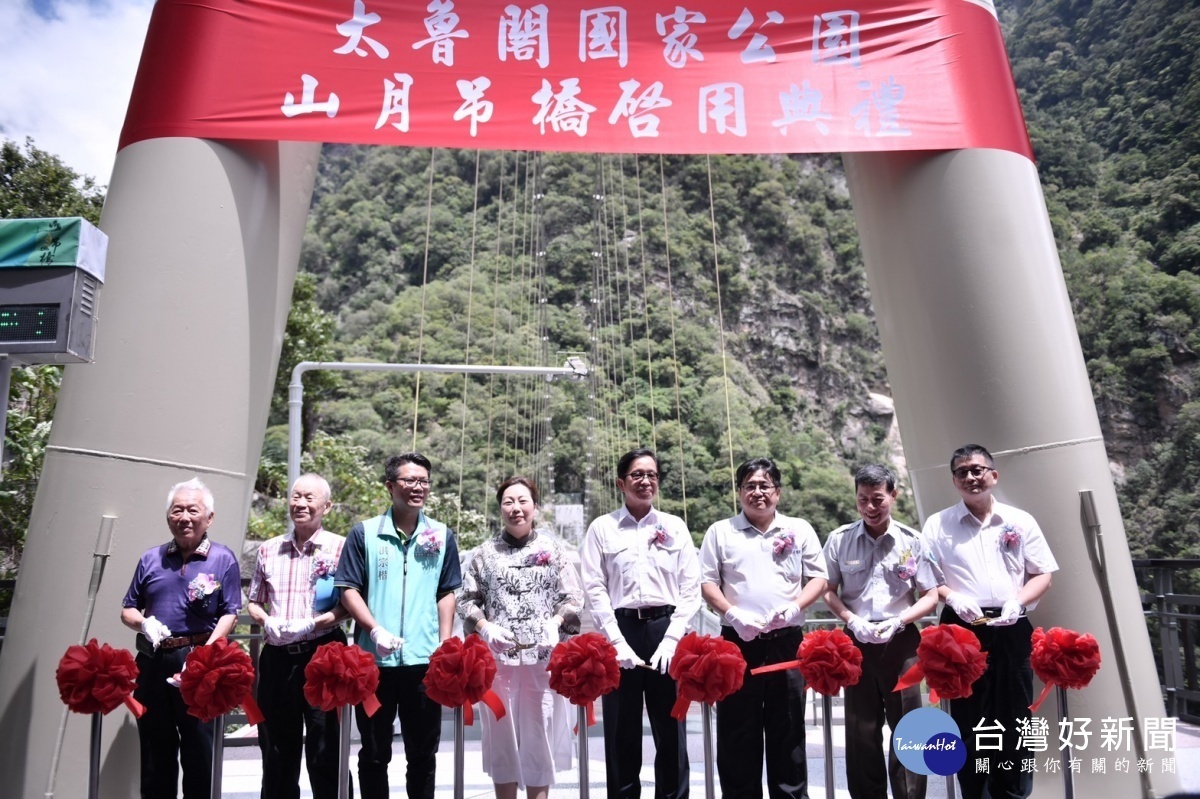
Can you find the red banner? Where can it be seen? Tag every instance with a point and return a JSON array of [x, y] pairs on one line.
[[710, 76]]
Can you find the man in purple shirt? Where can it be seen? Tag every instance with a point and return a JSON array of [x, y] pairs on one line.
[[183, 594]]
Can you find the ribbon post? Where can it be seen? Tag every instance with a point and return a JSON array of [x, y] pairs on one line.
[[218, 756], [460, 751], [344, 715], [710, 787], [827, 728], [94, 761], [584, 780]]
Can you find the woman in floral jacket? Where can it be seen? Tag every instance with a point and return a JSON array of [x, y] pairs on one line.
[[522, 596]]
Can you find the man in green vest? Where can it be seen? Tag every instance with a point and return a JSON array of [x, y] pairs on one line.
[[398, 574]]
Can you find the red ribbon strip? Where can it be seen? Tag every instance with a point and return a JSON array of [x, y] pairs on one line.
[[253, 714], [135, 707]]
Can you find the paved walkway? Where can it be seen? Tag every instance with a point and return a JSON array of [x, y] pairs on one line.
[[243, 767]]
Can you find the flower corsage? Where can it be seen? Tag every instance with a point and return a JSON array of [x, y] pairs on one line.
[[323, 566], [783, 543], [1010, 538], [202, 586], [429, 544], [660, 537], [543, 557], [906, 567]]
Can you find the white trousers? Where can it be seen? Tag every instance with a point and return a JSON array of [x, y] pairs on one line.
[[534, 739]]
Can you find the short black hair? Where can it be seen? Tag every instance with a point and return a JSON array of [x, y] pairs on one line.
[[626, 462], [391, 469], [875, 474], [970, 450], [758, 465]]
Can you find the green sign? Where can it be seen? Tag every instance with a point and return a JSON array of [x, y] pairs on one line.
[[65, 241]]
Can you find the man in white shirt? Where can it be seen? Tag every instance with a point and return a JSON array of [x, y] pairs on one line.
[[751, 570], [996, 565], [877, 567], [642, 582]]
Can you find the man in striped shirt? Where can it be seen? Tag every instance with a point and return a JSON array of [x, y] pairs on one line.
[[292, 596]]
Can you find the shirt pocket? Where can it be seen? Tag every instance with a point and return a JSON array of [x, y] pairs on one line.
[[855, 577], [665, 558]]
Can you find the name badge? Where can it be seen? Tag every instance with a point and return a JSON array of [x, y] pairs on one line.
[[854, 563]]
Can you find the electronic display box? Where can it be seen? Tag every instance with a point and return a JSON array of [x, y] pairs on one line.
[[51, 271]]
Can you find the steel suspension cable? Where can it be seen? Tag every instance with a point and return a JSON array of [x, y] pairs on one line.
[[662, 177], [712, 218], [424, 284], [462, 438]]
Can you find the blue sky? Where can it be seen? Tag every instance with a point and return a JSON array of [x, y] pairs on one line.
[[66, 71]]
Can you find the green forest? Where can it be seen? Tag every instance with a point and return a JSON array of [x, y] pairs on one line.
[[721, 303]]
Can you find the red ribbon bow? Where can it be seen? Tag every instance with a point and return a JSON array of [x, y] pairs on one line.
[[217, 678], [828, 660], [96, 678], [339, 675], [949, 659], [1063, 657], [705, 669], [583, 669], [461, 674]]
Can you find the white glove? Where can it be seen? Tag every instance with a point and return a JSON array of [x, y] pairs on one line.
[[1010, 613], [886, 629], [661, 659], [626, 657], [499, 639], [786, 615], [385, 643], [155, 630], [176, 679], [298, 627], [550, 633], [967, 609], [274, 628], [744, 623], [863, 630]]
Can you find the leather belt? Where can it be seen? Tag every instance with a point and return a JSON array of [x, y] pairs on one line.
[[304, 647], [652, 612], [180, 641]]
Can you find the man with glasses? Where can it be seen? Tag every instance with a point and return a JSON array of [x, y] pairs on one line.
[[752, 567], [877, 567], [398, 574], [642, 582], [996, 565]]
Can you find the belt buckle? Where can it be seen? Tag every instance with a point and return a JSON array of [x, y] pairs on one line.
[[647, 614], [297, 649]]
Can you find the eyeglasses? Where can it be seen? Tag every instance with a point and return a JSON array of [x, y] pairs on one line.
[[759, 488], [637, 477], [972, 471], [412, 482]]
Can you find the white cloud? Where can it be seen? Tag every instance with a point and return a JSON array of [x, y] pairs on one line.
[[66, 81]]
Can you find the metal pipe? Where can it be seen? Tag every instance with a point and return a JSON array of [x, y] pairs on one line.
[[99, 559], [574, 368], [710, 784], [94, 760], [827, 727], [6, 365], [218, 756], [584, 778], [951, 790], [1068, 776], [344, 715], [460, 753], [1094, 543]]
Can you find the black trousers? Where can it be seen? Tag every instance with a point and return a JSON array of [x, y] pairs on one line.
[[168, 736], [623, 721], [868, 704], [293, 724], [1003, 694], [400, 693], [766, 715]]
